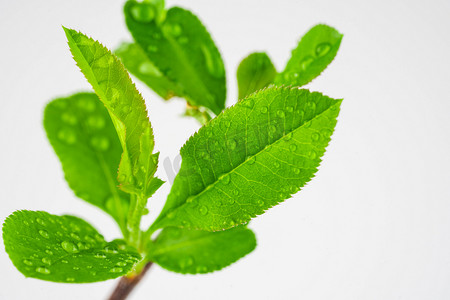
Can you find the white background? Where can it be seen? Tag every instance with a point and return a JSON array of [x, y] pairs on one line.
[[373, 224]]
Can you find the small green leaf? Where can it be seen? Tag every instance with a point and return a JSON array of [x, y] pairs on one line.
[[182, 49], [251, 157], [63, 249], [255, 72], [315, 51], [138, 64], [192, 251], [81, 132], [125, 105]]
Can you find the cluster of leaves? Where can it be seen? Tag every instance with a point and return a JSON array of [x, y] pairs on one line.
[[248, 158]]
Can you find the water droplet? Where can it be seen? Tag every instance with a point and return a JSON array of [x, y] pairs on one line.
[[236, 192], [58, 233], [100, 143], [86, 104], [203, 210], [49, 252], [88, 267], [213, 63], [296, 170], [121, 264], [43, 270], [248, 103], [312, 154], [294, 189], [226, 179], [227, 123], [171, 215], [95, 122], [322, 49], [306, 62], [69, 247], [152, 48], [47, 261], [264, 109], [280, 113], [143, 12], [315, 136], [99, 255], [64, 261], [172, 29], [231, 223], [111, 250], [201, 269], [69, 118], [232, 144], [70, 279], [75, 236], [292, 148], [44, 233], [327, 133], [288, 136], [40, 221], [76, 268], [276, 164], [289, 109], [260, 202], [251, 159], [67, 135], [186, 262], [26, 222], [27, 262], [116, 270]]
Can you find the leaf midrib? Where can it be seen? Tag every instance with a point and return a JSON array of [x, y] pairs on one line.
[[210, 186]]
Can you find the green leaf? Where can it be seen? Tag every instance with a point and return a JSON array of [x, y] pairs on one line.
[[255, 72], [138, 64], [315, 51], [251, 157], [182, 49], [126, 107], [83, 136], [63, 249], [193, 251]]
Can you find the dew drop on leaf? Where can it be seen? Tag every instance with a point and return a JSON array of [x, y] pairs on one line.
[[147, 68], [315, 136], [99, 255], [152, 48], [264, 109], [95, 122], [44, 234], [292, 148], [49, 252], [67, 136], [40, 221], [69, 247], [143, 12], [27, 262], [186, 262], [280, 113], [100, 143], [296, 170], [251, 160], [43, 270], [312, 154], [172, 29], [304, 64], [121, 264], [69, 118], [260, 202], [203, 210], [116, 270], [322, 49], [70, 279], [47, 261], [86, 105]]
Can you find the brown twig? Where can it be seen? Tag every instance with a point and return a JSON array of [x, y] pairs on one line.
[[127, 284]]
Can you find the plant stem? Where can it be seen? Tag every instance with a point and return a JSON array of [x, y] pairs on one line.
[[127, 284]]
